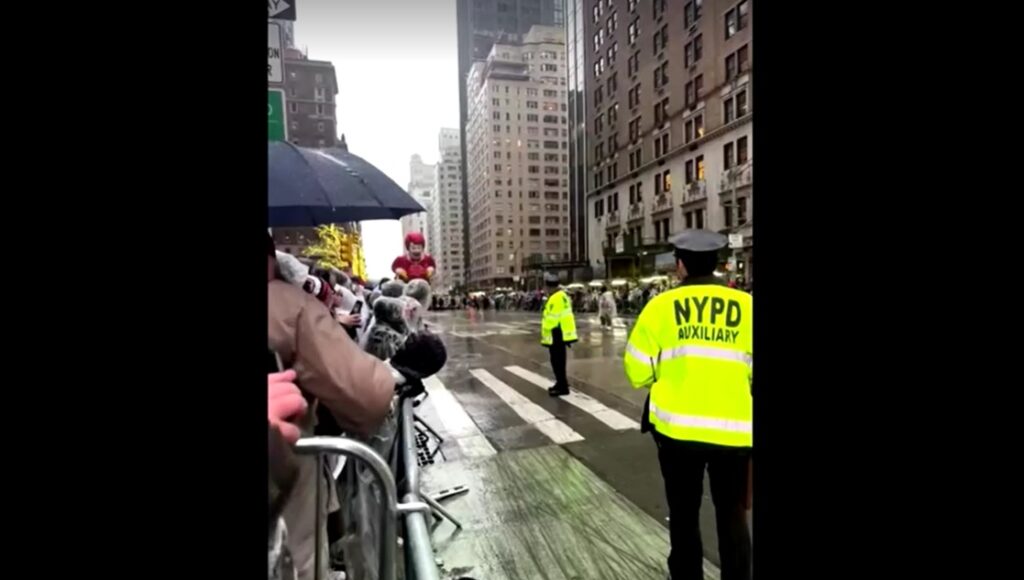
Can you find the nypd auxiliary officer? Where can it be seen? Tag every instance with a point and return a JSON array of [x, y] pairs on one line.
[[693, 347], [557, 331]]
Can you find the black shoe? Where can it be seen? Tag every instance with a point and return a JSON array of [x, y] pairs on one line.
[[558, 391]]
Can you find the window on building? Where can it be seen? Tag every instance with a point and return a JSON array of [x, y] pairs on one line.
[[633, 65], [693, 51], [634, 129], [319, 109], [635, 158], [688, 172], [741, 150], [741, 103], [599, 123], [698, 126], [634, 31], [661, 145], [691, 12], [659, 8], [531, 104], [689, 220], [737, 19], [729, 111], [700, 167], [632, 5], [661, 75], [661, 39], [613, 84], [737, 63], [661, 112], [598, 95], [613, 114], [666, 181], [613, 52], [634, 96], [293, 107], [549, 67]]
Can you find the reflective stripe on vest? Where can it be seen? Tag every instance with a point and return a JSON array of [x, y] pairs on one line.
[[695, 421], [707, 352]]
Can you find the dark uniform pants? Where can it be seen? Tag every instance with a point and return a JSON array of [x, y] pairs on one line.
[[682, 466], [557, 350]]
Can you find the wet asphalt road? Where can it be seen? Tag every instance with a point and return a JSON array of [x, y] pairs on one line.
[[543, 471]]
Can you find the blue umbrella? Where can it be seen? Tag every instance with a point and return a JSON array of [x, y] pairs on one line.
[[310, 187]]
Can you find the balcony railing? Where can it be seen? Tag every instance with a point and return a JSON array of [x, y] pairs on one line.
[[613, 219], [740, 176], [662, 202], [694, 191], [636, 211]]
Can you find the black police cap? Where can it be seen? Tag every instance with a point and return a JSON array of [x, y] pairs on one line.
[[699, 241]]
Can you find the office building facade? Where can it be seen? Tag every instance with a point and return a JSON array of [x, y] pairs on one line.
[[481, 23], [517, 142], [447, 216], [668, 132]]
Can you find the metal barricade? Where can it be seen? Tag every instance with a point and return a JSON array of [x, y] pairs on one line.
[[419, 552], [414, 509]]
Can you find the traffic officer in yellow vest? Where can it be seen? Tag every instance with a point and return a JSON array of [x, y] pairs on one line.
[[557, 331], [693, 347]]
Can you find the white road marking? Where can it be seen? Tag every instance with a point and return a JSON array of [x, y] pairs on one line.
[[531, 412], [602, 413], [456, 421]]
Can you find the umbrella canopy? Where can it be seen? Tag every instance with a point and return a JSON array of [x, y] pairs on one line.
[[309, 187]]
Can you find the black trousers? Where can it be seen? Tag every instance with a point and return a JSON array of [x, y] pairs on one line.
[[557, 350], [682, 467]]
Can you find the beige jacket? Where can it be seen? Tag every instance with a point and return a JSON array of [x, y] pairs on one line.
[[356, 387]]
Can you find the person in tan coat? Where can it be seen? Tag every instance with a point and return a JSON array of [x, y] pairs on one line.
[[331, 370]]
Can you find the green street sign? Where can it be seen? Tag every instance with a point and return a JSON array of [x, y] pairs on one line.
[[276, 128]]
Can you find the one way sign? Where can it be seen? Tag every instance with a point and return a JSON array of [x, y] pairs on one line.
[[281, 9]]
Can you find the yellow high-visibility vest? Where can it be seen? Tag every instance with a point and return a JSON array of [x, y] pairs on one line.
[[558, 313], [693, 346]]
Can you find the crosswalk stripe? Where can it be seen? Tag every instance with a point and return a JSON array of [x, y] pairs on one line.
[[602, 413], [531, 412], [456, 421]]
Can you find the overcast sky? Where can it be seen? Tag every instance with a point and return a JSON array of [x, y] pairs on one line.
[[397, 70]]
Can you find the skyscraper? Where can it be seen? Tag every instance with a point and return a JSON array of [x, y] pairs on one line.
[[518, 168], [446, 227], [667, 131], [480, 24]]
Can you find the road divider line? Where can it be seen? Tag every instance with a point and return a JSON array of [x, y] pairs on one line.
[[531, 412], [457, 423], [599, 410]]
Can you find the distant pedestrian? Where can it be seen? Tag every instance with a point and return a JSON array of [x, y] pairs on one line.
[[606, 307]]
